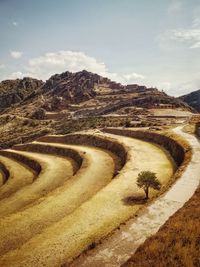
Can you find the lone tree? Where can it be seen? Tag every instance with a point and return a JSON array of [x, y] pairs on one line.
[[148, 179]]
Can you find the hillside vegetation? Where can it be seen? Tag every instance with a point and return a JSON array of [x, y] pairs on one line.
[[79, 94], [192, 99]]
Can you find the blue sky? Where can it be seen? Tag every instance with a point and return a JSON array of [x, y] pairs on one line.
[[156, 43]]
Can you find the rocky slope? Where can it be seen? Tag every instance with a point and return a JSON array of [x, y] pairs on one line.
[[14, 91], [82, 93], [69, 102], [192, 99]]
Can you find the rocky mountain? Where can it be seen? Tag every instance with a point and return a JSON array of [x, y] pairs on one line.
[[73, 87], [69, 102], [81, 93], [14, 91], [192, 99]]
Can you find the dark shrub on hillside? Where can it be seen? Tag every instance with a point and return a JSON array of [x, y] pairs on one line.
[[38, 114]]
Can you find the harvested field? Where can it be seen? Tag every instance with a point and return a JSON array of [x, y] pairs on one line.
[[177, 241], [52, 228], [45, 182], [97, 170], [15, 181]]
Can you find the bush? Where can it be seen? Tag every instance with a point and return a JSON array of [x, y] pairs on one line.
[[38, 114]]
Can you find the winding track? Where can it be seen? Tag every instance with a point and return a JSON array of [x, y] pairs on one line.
[[55, 170], [96, 217], [15, 181], [97, 170], [119, 247]]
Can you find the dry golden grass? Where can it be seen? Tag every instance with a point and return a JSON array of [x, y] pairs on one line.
[[177, 243], [105, 211]]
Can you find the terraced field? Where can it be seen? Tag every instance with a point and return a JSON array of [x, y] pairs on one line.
[[60, 195]]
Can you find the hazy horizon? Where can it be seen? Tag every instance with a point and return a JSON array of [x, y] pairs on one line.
[[153, 43]]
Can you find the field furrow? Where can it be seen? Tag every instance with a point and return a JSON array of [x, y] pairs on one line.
[[99, 215], [97, 170], [55, 171], [19, 175]]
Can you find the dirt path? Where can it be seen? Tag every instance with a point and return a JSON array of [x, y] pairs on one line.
[[96, 217], [119, 247], [15, 181], [55, 170], [97, 171]]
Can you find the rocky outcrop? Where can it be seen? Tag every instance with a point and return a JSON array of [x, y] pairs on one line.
[[73, 87], [38, 114], [68, 88], [14, 91]]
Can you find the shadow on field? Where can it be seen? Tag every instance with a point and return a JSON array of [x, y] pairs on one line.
[[134, 199]]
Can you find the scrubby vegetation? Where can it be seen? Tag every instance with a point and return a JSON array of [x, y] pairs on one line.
[[38, 114], [177, 243], [17, 130], [29, 129]]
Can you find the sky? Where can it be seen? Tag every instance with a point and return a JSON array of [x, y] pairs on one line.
[[153, 43]]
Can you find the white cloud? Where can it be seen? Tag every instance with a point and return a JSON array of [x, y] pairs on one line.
[[167, 86], [186, 87], [177, 87], [15, 23], [133, 76], [16, 54], [126, 78], [56, 62], [51, 63], [191, 36], [16, 75]]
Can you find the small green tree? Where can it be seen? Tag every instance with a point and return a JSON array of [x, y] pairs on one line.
[[147, 179]]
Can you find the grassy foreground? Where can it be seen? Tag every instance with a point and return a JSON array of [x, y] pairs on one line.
[[177, 243], [97, 217]]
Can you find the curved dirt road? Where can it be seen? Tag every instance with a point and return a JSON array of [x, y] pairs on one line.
[[96, 172], [97, 216], [15, 181], [45, 182], [119, 247]]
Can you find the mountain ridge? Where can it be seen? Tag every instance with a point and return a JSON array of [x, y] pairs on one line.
[[61, 91], [192, 99]]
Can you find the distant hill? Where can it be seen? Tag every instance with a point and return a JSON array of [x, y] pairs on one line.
[[192, 99], [82, 93], [14, 91]]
